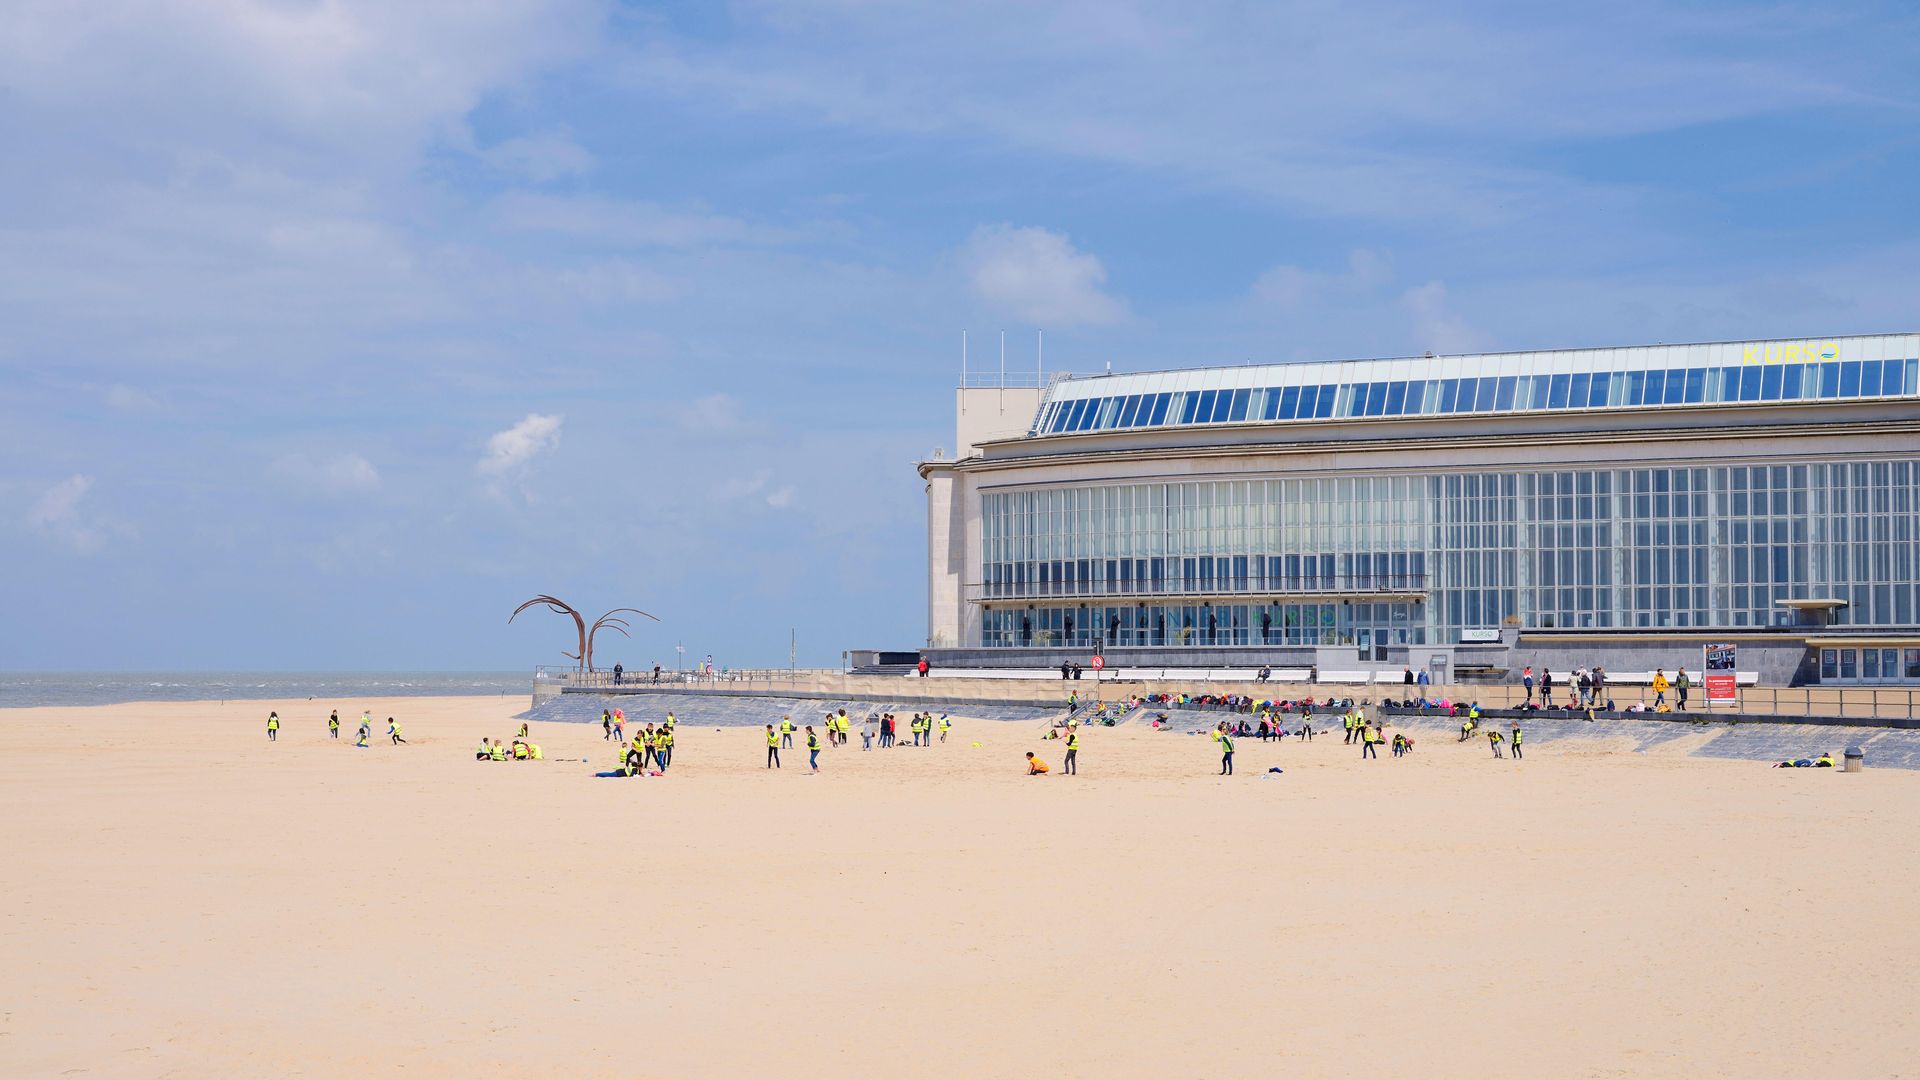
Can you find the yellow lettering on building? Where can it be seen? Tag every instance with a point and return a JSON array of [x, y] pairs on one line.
[[1791, 354]]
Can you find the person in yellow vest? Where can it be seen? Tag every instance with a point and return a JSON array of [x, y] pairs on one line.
[[663, 748], [1369, 740], [1494, 738], [360, 740], [1226, 751], [393, 729], [273, 727], [646, 738], [498, 751], [786, 732], [333, 724], [637, 754], [1069, 767], [1035, 767], [1660, 687], [485, 751], [1346, 721], [773, 748], [519, 750], [1516, 741], [813, 749], [945, 726], [523, 733]]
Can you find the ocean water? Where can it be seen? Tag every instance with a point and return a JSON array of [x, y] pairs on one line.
[[21, 689]]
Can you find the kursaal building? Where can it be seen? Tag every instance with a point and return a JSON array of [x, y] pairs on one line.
[[1621, 507]]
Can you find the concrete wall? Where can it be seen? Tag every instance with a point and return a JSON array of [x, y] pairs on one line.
[[987, 415]]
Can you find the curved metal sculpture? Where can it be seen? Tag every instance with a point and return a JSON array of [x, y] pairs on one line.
[[611, 621], [561, 607]]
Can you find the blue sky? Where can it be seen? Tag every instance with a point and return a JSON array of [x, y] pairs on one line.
[[331, 331]]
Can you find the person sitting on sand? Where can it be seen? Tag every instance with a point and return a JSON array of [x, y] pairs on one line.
[[519, 750], [498, 752], [522, 733], [485, 751], [361, 740], [1036, 767]]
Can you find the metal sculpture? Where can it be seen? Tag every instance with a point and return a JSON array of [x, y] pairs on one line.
[[611, 621], [561, 607]]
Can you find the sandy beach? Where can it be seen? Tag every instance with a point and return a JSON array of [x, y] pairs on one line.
[[185, 899]]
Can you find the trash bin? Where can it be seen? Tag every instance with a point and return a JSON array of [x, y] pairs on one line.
[[1856, 759]]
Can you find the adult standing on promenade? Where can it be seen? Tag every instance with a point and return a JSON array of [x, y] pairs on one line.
[[1660, 687], [273, 727], [1546, 686], [1526, 680], [1071, 767], [1681, 684], [773, 748]]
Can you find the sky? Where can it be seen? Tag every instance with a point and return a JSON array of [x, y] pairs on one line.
[[331, 331]]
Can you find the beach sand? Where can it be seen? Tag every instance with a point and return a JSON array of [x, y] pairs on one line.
[[184, 899]]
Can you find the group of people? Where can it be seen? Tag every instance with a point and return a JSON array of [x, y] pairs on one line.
[[650, 750], [333, 728], [1586, 688], [838, 728], [522, 749]]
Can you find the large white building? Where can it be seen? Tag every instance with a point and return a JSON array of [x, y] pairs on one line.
[[1618, 506]]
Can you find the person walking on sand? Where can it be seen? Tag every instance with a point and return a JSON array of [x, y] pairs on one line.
[[1367, 740], [606, 726], [813, 749], [1226, 752], [273, 727], [333, 725], [945, 726], [773, 748], [1069, 767], [393, 729], [866, 732], [1516, 741], [619, 727]]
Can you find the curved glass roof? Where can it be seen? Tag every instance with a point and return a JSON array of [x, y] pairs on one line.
[[1652, 376]]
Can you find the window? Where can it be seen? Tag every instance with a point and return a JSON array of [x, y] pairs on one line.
[[1557, 392], [1850, 379], [1503, 401], [1849, 664], [1289, 401], [1869, 378], [1790, 382], [1448, 388], [1324, 407], [1830, 663], [1770, 384], [1397, 398], [1488, 387], [1695, 389], [1160, 402], [1655, 387], [1237, 408], [1579, 390], [1601, 380], [1128, 410], [1830, 380]]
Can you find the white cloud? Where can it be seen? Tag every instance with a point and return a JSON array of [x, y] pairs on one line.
[[509, 451], [540, 158], [1435, 325], [58, 516], [1290, 288], [784, 498], [1037, 275], [345, 474]]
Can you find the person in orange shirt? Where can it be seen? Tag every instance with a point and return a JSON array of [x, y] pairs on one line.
[[1035, 767]]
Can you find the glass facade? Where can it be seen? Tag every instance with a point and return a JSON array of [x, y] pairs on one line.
[[1450, 387], [1422, 558]]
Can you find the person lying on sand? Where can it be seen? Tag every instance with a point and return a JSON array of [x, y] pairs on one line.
[[1824, 761]]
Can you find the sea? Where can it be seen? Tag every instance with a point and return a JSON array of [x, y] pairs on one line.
[[23, 689]]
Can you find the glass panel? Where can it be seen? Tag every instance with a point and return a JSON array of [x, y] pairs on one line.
[[1203, 408], [1830, 663], [1160, 403], [1580, 389], [1448, 388], [1557, 394], [1504, 400], [1870, 663], [1790, 382], [1398, 394], [1696, 386], [1770, 384], [1869, 378], [1849, 666], [1188, 402], [1601, 383], [1309, 401], [1237, 409], [1850, 379], [1289, 401], [1750, 383], [1829, 380], [1073, 417], [1325, 406], [1656, 387], [1128, 410], [1675, 391], [1376, 398], [1484, 403], [1636, 388], [1540, 384]]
